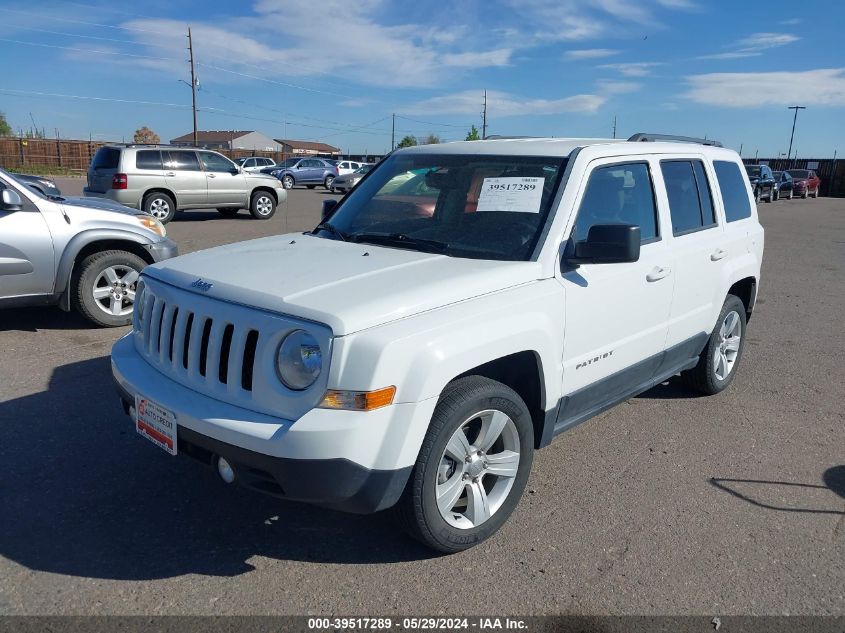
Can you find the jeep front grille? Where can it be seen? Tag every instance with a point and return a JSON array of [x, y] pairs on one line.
[[198, 345]]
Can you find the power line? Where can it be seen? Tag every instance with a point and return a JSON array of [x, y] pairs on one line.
[[399, 116], [57, 18], [22, 93], [273, 81]]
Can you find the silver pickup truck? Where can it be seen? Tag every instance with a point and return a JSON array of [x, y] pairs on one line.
[[75, 252]]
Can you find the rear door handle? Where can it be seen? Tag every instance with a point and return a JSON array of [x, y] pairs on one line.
[[170, 173], [211, 175], [718, 254], [658, 273]]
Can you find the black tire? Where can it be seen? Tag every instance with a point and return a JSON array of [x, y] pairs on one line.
[[159, 205], [791, 195], [417, 509], [227, 212], [311, 186], [806, 193], [757, 196], [327, 183], [262, 205], [816, 193], [772, 195], [288, 182], [703, 377], [88, 275]]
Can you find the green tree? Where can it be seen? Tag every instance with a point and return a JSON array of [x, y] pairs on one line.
[[432, 139], [147, 136], [5, 128], [473, 135], [408, 141]]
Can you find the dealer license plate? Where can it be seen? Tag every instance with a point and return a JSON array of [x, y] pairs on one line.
[[156, 423]]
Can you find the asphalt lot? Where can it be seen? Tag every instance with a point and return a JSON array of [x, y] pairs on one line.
[[668, 504]]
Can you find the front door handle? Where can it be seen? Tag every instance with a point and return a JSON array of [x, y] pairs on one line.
[[658, 273], [718, 254], [170, 173], [211, 175]]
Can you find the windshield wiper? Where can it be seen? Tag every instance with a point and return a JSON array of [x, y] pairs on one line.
[[401, 240], [331, 228]]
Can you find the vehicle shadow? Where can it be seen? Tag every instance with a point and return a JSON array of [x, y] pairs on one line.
[[672, 389], [42, 318], [787, 496], [81, 494], [200, 215]]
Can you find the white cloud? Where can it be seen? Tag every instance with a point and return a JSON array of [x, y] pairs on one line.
[[761, 41], [502, 104], [687, 5], [590, 53], [791, 21], [754, 45], [607, 86], [499, 57], [822, 87], [633, 69]]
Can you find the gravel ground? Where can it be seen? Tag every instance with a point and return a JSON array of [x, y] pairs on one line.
[[668, 504]]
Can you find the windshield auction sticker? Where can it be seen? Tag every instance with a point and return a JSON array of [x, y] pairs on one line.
[[520, 195]]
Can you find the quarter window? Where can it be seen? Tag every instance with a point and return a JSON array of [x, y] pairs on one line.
[[690, 203], [734, 190], [148, 159], [618, 194]]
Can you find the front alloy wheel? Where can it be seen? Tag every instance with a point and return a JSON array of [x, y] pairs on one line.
[[287, 182], [472, 466], [475, 477]]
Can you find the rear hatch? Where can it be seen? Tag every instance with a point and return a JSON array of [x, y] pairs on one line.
[[102, 169]]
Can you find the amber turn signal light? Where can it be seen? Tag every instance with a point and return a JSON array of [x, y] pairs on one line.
[[358, 400]]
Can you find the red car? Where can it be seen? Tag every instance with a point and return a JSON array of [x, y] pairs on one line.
[[806, 182]]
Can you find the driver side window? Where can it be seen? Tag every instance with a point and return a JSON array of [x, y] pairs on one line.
[[618, 194]]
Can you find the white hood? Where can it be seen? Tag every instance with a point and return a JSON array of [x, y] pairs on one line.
[[349, 287]]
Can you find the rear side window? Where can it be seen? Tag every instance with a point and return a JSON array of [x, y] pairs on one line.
[[148, 159], [690, 203], [618, 194], [106, 158], [734, 190], [182, 160]]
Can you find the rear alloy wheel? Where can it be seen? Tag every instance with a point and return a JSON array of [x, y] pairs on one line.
[[327, 183], [718, 361], [472, 466], [288, 182], [262, 205], [160, 206], [104, 287]]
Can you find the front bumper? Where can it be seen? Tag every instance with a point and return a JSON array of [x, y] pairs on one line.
[[163, 249], [350, 461]]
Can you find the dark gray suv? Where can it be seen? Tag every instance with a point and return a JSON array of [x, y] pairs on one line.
[[306, 171]]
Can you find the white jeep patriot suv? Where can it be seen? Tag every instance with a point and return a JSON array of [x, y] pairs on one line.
[[459, 308]]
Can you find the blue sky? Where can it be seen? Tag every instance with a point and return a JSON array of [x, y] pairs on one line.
[[336, 70]]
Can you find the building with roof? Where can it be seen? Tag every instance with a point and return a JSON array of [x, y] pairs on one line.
[[229, 139], [307, 148]]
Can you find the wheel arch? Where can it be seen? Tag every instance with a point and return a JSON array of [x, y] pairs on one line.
[[163, 190], [746, 290], [84, 244], [265, 189]]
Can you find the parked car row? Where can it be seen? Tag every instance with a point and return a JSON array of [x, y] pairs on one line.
[[771, 185]]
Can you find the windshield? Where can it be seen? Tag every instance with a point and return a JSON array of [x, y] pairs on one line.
[[754, 172], [798, 173], [474, 206]]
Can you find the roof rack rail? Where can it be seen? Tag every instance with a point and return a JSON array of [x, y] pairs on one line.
[[642, 136]]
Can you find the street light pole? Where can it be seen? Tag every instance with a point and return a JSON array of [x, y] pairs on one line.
[[193, 83], [794, 119]]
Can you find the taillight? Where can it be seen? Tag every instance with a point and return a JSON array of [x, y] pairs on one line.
[[119, 181]]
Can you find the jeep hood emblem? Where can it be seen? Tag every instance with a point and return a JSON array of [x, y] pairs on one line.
[[204, 286]]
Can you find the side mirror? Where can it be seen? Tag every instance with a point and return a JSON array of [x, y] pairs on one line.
[[328, 207], [10, 201], [606, 244], [235, 170]]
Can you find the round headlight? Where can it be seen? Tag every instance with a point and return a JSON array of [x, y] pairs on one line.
[[299, 360]]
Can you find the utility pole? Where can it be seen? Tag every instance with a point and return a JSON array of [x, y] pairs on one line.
[[794, 119], [393, 133], [614, 126], [740, 150], [484, 118], [193, 84]]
